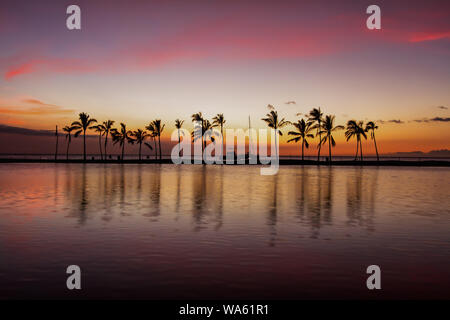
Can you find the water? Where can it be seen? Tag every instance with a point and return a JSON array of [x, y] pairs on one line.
[[165, 231]]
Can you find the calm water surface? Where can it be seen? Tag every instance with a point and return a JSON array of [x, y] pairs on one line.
[[165, 231]]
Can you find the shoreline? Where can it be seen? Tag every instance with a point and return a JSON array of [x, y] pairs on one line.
[[403, 163]]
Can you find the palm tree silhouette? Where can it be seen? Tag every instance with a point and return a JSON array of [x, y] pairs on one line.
[[56, 150], [100, 128], [82, 125], [272, 120], [315, 117], [159, 128], [303, 131], [139, 137], [355, 129], [68, 130], [327, 129], [151, 128], [108, 125], [219, 121], [198, 132], [178, 125], [371, 126], [122, 137]]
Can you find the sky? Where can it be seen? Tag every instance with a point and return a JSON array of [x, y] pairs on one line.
[[135, 61]]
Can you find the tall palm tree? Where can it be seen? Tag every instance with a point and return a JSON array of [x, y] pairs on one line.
[[198, 117], [151, 128], [219, 121], [178, 125], [85, 121], [355, 129], [272, 120], [56, 150], [108, 127], [315, 117], [100, 128], [371, 126], [159, 128], [123, 136], [303, 131], [139, 137], [327, 130], [68, 130]]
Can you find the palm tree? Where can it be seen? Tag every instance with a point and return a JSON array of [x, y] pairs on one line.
[[139, 137], [56, 150], [219, 121], [303, 131], [108, 125], [68, 130], [122, 137], [274, 122], [315, 116], [153, 135], [197, 134], [82, 125], [100, 128], [159, 128], [371, 126], [178, 125], [355, 129], [327, 129]]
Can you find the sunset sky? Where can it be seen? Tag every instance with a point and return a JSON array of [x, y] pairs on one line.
[[135, 61]]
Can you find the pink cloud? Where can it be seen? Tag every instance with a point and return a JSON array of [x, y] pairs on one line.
[[429, 36], [232, 38]]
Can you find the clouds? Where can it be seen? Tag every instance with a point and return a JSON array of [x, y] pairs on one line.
[[435, 119], [25, 131], [442, 107], [39, 109], [220, 30], [429, 36], [395, 121], [423, 120], [290, 102]]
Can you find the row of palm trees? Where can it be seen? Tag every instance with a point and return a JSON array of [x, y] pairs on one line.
[[324, 130], [119, 136], [315, 125]]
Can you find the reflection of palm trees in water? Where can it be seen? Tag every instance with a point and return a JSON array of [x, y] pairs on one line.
[[318, 195], [361, 196], [155, 192], [272, 217], [106, 193], [178, 195], [199, 190], [219, 193], [208, 189], [81, 196]]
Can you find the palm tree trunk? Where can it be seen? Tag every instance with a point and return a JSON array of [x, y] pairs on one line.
[[329, 147], [376, 149], [303, 149], [84, 145], [360, 147], [156, 150], [123, 149], [159, 142], [179, 141], [357, 145], [100, 145], [276, 148], [67, 151], [106, 142], [56, 151], [320, 144], [140, 146]]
